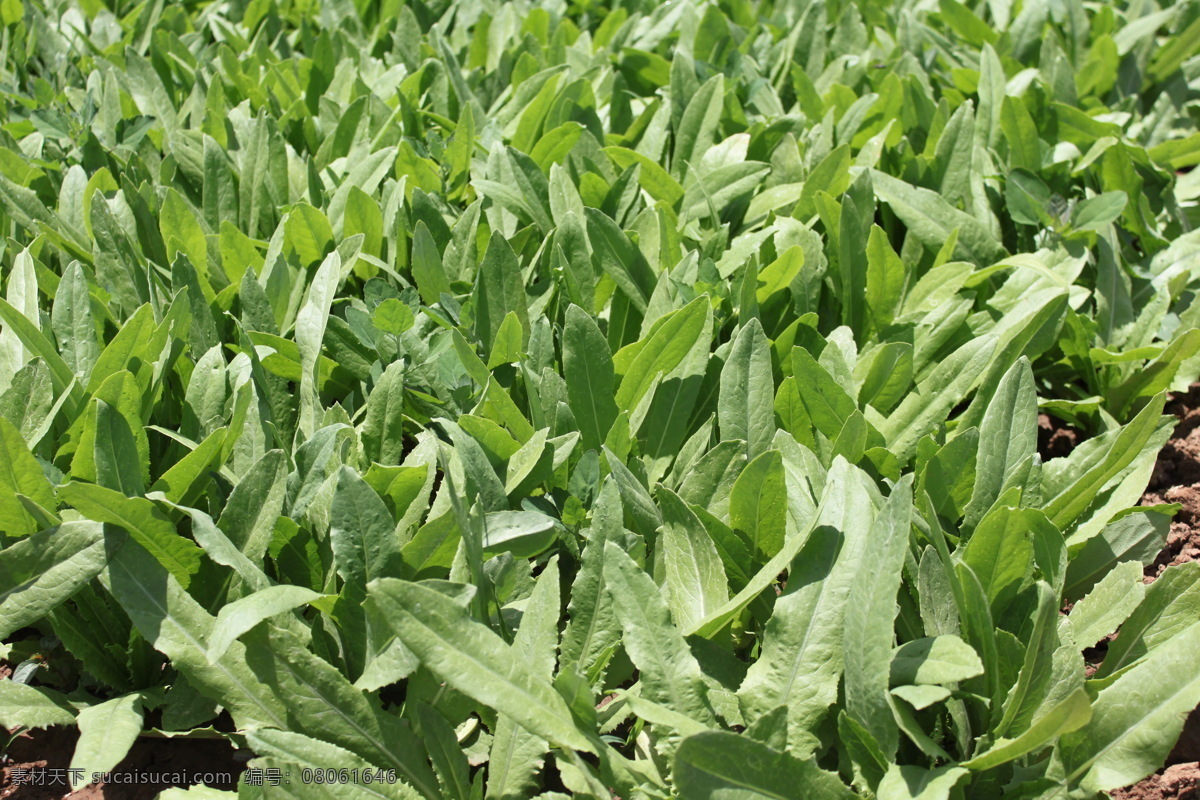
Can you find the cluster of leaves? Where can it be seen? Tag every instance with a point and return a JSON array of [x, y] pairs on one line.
[[592, 398]]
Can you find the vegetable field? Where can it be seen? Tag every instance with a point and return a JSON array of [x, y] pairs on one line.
[[600, 398]]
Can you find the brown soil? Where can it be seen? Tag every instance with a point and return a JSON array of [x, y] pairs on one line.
[[1188, 746], [1176, 782], [1176, 479], [171, 762], [1056, 438], [1092, 656]]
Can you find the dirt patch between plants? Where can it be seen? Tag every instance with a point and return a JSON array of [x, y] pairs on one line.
[[1177, 782], [43, 756], [1176, 479], [1056, 438]]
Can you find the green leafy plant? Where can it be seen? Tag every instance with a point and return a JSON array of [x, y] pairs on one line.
[[625, 398]]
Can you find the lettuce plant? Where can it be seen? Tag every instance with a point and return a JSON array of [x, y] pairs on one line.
[[504, 400]]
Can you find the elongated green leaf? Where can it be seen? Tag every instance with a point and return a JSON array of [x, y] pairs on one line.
[[522, 533], [758, 505], [593, 629], [1096, 212], [20, 474], [286, 748], [698, 125], [1033, 681], [499, 290], [362, 533], [106, 733], [1110, 603], [1069, 715], [310, 332], [118, 466], [885, 279], [130, 349], [667, 345], [588, 371], [695, 576], [1137, 719], [1064, 508], [1007, 439], [24, 706], [516, 751], [1158, 374], [473, 659], [616, 255], [916, 783], [670, 674], [718, 764], [444, 751], [653, 178], [661, 715], [42, 571], [1000, 553], [935, 660], [74, 323], [188, 476], [249, 516], [175, 624], [383, 429], [931, 219], [242, 615], [928, 405], [322, 702], [869, 636], [713, 192], [711, 480], [508, 346], [1027, 197], [1137, 536], [1170, 605], [802, 653], [144, 522], [22, 294], [40, 346], [746, 409], [427, 269], [828, 404], [832, 175]]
